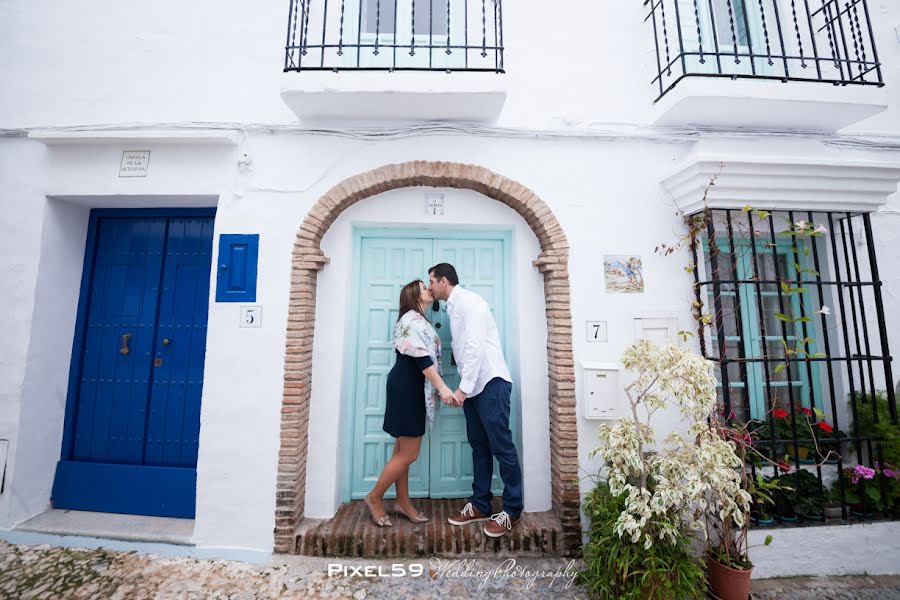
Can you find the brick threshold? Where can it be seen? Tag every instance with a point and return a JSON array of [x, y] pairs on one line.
[[351, 533]]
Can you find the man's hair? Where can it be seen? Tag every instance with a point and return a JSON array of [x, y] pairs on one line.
[[444, 270]]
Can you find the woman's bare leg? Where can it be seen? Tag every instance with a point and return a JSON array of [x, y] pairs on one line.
[[406, 450]]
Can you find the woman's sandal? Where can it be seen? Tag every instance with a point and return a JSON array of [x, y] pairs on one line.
[[382, 521], [419, 518]]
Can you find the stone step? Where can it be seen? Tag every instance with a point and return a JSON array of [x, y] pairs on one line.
[[351, 533]]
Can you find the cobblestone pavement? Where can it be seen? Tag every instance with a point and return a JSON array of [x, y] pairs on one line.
[[46, 572]]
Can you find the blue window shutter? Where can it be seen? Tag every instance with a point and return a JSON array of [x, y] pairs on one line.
[[236, 280]]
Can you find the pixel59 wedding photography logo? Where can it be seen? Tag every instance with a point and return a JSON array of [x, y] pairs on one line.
[[485, 571]]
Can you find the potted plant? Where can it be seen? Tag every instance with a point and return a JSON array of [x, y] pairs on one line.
[[651, 502], [810, 424], [761, 491], [833, 507], [811, 495], [861, 490], [888, 435], [728, 513]]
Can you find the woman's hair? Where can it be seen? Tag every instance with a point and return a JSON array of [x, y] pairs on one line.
[[410, 296]]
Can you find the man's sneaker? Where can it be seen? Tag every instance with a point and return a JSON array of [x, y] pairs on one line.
[[500, 525], [468, 514]]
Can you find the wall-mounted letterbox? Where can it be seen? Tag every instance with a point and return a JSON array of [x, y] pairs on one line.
[[236, 277], [601, 390]]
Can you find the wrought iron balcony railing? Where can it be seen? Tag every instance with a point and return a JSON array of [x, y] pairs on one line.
[[395, 35], [788, 40]]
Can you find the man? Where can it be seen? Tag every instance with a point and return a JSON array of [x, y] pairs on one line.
[[484, 389]]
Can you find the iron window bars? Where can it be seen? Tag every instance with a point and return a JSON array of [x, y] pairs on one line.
[[787, 40], [789, 307], [395, 35]]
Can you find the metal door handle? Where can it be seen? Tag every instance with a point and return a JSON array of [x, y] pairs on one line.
[[125, 350], [166, 341]]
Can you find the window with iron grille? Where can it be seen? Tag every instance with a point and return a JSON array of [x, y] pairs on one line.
[[395, 35], [789, 308]]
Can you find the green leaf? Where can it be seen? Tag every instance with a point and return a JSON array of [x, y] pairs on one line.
[[820, 414], [785, 287], [803, 320], [873, 492], [747, 208], [779, 369], [763, 214], [768, 540], [783, 317], [819, 355]]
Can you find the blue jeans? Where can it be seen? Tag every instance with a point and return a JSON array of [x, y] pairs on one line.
[[487, 427]]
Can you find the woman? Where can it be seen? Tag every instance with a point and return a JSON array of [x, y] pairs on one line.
[[413, 388]]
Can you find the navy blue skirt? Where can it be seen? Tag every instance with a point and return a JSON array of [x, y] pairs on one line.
[[404, 411]]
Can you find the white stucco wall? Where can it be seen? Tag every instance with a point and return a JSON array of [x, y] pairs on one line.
[[575, 129], [569, 67], [870, 549], [605, 194]]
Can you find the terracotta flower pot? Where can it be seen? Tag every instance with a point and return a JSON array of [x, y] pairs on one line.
[[727, 583]]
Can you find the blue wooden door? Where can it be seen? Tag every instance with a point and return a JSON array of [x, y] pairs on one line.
[[134, 420], [444, 466]]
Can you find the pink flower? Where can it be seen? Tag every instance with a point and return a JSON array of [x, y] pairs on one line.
[[861, 472]]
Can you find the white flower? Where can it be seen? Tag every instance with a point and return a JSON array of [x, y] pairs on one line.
[[800, 225], [824, 310], [821, 229]]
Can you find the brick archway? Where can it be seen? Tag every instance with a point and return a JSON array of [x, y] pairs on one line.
[[308, 260]]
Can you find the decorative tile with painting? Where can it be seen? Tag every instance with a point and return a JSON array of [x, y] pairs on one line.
[[624, 274]]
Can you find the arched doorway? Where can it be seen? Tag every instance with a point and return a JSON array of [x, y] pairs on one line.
[[308, 260]]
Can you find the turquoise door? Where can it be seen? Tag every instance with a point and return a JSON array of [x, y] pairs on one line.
[[386, 264]]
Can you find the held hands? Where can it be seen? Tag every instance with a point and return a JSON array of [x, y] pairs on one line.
[[452, 398], [447, 396]]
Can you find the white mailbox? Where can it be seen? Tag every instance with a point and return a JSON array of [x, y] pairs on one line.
[[601, 390]]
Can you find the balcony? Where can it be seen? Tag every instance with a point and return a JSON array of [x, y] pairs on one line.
[[394, 60], [714, 44]]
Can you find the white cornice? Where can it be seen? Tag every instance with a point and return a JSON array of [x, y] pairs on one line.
[[187, 137], [782, 183]]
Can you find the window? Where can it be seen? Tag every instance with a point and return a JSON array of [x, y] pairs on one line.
[[732, 20], [379, 15], [763, 324]]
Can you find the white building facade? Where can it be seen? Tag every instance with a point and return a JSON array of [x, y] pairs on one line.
[[206, 232]]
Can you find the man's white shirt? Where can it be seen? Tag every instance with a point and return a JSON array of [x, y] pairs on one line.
[[476, 341]]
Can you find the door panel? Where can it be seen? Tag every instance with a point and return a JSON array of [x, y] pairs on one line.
[[386, 266], [115, 378], [174, 422], [149, 282], [478, 264]]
